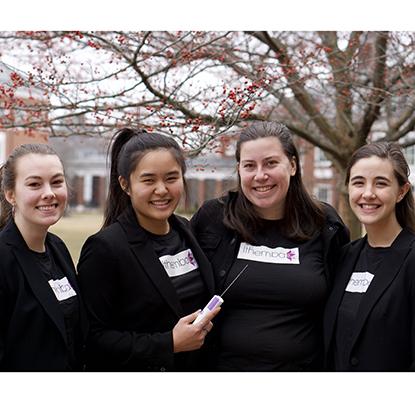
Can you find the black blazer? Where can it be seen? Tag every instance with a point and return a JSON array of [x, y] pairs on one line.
[[32, 327], [384, 329], [131, 302]]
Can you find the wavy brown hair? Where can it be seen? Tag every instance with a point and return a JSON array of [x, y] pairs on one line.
[[303, 216]]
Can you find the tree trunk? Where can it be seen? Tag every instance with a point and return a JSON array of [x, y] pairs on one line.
[[348, 216]]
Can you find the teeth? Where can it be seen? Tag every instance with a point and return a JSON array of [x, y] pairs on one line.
[[369, 206], [263, 188], [160, 202], [46, 208]]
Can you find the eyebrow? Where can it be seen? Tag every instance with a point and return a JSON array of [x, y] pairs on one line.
[[151, 174], [264, 159], [383, 178], [39, 177]]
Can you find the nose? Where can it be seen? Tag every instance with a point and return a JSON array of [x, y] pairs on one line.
[[368, 192], [48, 192], [160, 188], [260, 174]]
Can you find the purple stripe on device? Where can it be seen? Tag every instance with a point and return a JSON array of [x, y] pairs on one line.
[[213, 303]]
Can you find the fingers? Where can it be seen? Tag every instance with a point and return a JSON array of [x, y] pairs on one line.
[[191, 317], [208, 316]]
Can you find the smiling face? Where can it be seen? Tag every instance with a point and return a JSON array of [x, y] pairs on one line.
[[265, 172], [374, 192], [40, 193], [155, 188]]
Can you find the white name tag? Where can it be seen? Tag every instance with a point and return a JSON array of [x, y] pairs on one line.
[[278, 255], [179, 264], [359, 282], [62, 288]]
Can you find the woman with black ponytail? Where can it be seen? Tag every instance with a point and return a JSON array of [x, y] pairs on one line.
[[143, 276]]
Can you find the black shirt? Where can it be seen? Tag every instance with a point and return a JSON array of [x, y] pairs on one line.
[[66, 297], [182, 268], [364, 272], [272, 315]]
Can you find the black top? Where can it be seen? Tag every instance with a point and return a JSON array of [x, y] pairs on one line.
[[66, 297], [276, 303], [222, 245], [181, 266], [365, 270]]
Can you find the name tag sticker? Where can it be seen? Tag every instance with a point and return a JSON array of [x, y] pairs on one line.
[[62, 288], [359, 282], [179, 264], [278, 255]]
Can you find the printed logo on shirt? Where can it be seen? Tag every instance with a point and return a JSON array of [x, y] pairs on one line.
[[62, 288], [278, 255], [359, 282], [179, 264]]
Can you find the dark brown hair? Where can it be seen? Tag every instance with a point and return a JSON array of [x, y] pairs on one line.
[[127, 148], [405, 209], [8, 174], [303, 216]]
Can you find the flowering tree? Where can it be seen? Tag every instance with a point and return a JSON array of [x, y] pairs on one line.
[[337, 90]]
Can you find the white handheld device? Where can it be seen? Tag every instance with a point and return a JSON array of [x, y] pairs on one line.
[[217, 301]]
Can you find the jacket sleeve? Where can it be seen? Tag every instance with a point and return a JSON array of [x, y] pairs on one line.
[[98, 272], [3, 323], [412, 304]]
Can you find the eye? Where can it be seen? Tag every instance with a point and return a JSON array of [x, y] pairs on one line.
[[381, 184], [148, 181], [172, 179], [272, 163], [33, 184], [58, 182], [248, 166], [357, 183]]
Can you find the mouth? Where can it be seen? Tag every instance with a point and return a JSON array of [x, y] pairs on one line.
[[160, 203], [48, 207], [369, 207], [263, 189]]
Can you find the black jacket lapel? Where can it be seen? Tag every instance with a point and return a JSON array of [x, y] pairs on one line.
[[61, 257], [147, 258], [35, 278], [388, 269], [205, 268], [349, 258]]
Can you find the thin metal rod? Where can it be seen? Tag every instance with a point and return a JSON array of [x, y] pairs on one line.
[[237, 276]]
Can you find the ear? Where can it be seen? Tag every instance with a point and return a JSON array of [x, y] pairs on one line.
[[124, 184], [293, 163], [403, 190], [10, 197]]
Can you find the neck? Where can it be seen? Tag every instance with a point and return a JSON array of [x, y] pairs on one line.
[[161, 227], [33, 235], [383, 236]]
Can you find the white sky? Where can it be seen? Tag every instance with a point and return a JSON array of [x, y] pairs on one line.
[[207, 14]]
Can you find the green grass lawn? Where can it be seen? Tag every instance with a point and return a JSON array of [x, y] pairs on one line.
[[75, 228]]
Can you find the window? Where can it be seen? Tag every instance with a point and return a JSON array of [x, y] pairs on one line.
[[409, 153], [320, 158], [323, 193]]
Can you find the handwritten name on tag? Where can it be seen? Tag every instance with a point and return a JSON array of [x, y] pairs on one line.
[[62, 288], [359, 282]]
